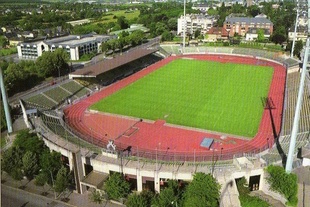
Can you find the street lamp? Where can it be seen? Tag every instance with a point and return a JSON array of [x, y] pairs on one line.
[[53, 184]]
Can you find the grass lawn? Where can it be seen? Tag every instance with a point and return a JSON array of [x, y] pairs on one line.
[[5, 52], [128, 15], [222, 97]]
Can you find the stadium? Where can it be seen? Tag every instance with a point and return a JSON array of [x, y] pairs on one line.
[[155, 114], [176, 141]]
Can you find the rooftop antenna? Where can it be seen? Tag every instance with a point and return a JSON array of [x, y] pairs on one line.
[[290, 156], [5, 104]]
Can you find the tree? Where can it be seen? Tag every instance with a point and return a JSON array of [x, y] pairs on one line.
[[298, 48], [50, 164], [260, 35], [3, 120], [104, 47], [142, 199], [169, 195], [172, 24], [284, 183], [166, 36], [121, 21], [62, 180], [12, 159], [117, 187], [3, 41], [53, 63], [202, 191], [197, 33], [279, 36], [97, 197], [30, 142], [30, 165]]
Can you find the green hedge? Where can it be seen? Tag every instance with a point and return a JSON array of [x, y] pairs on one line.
[[245, 199], [284, 183]]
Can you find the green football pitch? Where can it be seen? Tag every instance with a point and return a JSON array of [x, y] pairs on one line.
[[222, 97]]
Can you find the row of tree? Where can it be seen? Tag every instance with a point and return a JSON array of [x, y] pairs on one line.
[[203, 191], [26, 74], [29, 157], [125, 39]]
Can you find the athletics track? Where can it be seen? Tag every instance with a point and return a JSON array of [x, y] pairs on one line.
[[147, 138]]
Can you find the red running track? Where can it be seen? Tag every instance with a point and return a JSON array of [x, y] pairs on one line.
[[150, 137]]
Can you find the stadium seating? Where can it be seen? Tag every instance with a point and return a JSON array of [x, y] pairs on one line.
[[293, 80], [54, 125], [40, 101]]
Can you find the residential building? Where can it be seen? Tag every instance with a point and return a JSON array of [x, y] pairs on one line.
[[216, 34], [195, 22], [241, 25], [301, 33], [75, 45], [252, 34]]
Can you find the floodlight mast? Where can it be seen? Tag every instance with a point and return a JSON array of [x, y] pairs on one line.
[[290, 156], [184, 27], [295, 30], [5, 104]]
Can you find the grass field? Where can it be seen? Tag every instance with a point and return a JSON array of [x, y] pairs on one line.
[[222, 97], [110, 17]]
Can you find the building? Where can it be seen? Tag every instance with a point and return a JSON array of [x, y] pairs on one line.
[[252, 34], [195, 22], [131, 29], [75, 45], [301, 33], [79, 22], [242, 25], [216, 34]]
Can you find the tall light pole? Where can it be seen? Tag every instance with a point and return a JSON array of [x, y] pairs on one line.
[[289, 162], [5, 104], [295, 30], [184, 27]]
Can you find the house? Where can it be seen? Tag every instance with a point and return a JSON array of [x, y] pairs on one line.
[[301, 33], [202, 7], [75, 45], [252, 34], [195, 22], [215, 34], [242, 25], [27, 35]]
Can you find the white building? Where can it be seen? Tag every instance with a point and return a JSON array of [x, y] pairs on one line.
[[195, 22], [75, 45]]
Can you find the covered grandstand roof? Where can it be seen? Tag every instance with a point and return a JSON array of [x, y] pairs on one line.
[[109, 64]]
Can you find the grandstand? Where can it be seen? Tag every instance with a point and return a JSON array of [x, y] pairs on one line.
[[303, 137], [289, 62], [51, 98]]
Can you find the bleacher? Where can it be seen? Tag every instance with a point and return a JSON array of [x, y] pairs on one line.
[[40, 101], [273, 155], [121, 72], [303, 137], [293, 80], [75, 89], [57, 94], [54, 124], [51, 98]]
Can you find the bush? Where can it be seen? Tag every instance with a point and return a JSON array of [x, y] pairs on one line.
[[249, 201], [284, 183]]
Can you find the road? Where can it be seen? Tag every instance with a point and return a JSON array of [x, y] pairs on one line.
[[19, 198]]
